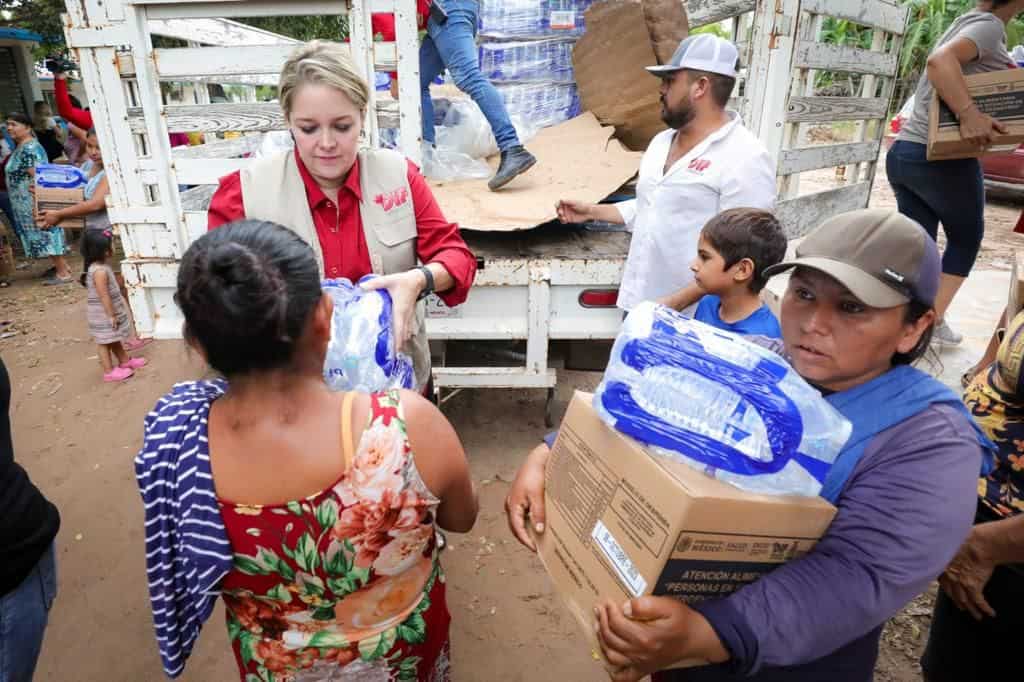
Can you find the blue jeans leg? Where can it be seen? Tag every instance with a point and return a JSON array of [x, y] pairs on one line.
[[23, 616], [948, 192], [455, 42], [431, 67]]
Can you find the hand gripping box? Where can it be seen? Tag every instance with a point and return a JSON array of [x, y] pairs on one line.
[[623, 523], [999, 94]]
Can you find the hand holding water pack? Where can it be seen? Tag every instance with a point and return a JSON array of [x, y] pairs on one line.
[[734, 410], [361, 355]]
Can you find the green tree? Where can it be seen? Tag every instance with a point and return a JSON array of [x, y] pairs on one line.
[[40, 16], [303, 28]]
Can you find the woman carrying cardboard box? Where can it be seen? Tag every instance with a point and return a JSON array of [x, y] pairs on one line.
[[952, 191], [859, 309]]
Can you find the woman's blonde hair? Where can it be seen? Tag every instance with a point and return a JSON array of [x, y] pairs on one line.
[[324, 63]]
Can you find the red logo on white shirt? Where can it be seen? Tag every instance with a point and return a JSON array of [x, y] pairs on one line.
[[699, 165], [392, 199]]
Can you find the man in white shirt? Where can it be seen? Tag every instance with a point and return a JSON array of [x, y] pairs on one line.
[[705, 163]]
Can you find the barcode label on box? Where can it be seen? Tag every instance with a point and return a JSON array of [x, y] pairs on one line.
[[617, 557], [564, 19]]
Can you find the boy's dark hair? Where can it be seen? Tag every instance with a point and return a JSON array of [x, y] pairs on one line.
[[247, 290], [95, 245], [747, 233]]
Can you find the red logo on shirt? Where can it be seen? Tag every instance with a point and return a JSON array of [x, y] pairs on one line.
[[392, 199], [699, 165]]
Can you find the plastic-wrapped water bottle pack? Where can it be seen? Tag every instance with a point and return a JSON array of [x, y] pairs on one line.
[[532, 18], [361, 355], [59, 175], [730, 408], [542, 104], [548, 61]]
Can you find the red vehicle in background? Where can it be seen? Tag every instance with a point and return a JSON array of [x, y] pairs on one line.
[[1003, 171]]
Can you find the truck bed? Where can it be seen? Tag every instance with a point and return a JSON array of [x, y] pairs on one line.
[[549, 241]]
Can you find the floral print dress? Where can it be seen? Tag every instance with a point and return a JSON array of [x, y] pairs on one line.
[[35, 241], [346, 584]]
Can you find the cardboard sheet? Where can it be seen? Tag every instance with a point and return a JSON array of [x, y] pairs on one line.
[[609, 63], [668, 25], [578, 159]]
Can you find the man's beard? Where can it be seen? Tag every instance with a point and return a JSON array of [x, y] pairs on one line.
[[676, 119]]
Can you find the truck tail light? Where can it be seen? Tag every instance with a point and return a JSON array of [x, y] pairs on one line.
[[599, 298]]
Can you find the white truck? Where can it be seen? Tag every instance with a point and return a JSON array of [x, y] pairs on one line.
[[533, 287]]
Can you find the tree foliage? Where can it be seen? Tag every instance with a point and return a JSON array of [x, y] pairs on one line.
[[303, 28], [40, 16]]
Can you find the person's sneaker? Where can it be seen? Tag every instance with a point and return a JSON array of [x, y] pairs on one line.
[[117, 374], [514, 161], [134, 363], [944, 336]]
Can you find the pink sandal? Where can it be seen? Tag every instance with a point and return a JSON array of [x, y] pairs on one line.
[[134, 363], [117, 374], [136, 344]]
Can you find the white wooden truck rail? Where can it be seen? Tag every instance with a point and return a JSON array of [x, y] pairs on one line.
[[532, 297]]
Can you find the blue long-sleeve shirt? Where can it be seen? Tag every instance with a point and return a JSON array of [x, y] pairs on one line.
[[906, 508]]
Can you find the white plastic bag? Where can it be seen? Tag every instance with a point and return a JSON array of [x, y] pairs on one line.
[[465, 130], [274, 142], [446, 165]]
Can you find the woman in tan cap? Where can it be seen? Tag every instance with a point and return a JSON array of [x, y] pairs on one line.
[[858, 311]]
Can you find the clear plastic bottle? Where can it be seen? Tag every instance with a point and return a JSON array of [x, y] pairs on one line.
[[361, 354]]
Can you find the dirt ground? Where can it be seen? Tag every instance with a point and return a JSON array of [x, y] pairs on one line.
[[77, 437]]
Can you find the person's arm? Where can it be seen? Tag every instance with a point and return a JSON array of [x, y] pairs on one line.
[[441, 462], [524, 504], [888, 541], [572, 211], [989, 545], [684, 298], [227, 204], [79, 117], [77, 132], [945, 72], [97, 203], [440, 246], [99, 279]]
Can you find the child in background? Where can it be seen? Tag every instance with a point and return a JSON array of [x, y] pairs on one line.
[[735, 248], [94, 210], [107, 311]]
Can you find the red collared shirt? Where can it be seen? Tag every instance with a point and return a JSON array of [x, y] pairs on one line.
[[340, 228]]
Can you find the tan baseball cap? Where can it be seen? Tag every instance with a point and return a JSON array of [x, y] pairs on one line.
[[884, 258]]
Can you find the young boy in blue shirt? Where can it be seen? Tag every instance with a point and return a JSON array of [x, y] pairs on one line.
[[735, 248]]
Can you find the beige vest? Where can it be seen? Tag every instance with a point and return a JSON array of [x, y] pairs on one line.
[[272, 189]]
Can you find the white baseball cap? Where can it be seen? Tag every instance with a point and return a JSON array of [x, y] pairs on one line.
[[702, 52]]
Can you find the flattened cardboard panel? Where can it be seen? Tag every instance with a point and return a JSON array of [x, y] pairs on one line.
[[667, 24], [578, 159], [609, 62]]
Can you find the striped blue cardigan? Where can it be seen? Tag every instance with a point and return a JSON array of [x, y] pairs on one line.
[[187, 549]]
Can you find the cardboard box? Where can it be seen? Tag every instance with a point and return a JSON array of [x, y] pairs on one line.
[[999, 94], [622, 523], [52, 199]]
